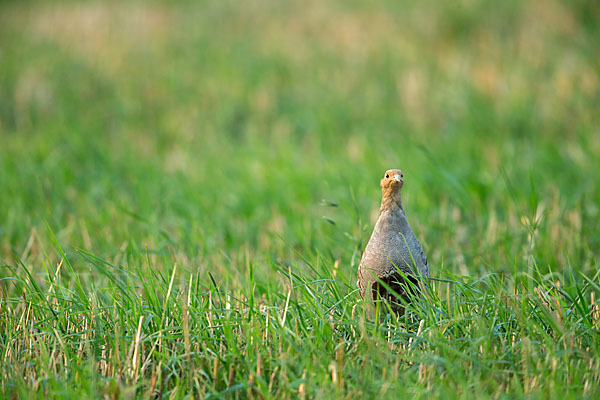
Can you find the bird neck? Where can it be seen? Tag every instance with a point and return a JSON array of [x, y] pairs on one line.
[[390, 201]]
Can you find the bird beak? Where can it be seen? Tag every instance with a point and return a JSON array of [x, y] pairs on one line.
[[397, 178]]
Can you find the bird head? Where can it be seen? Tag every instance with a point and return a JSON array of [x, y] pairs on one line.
[[392, 181]]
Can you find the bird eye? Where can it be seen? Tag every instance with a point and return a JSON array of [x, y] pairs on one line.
[[401, 175], [387, 175]]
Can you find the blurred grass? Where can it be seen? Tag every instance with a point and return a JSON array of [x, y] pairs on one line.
[[215, 135]]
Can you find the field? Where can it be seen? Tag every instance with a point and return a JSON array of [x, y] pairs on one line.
[[187, 187]]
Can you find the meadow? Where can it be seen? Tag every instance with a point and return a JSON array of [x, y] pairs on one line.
[[187, 187]]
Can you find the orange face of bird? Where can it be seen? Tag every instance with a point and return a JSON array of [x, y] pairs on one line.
[[392, 180]]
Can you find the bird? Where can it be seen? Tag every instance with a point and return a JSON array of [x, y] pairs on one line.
[[392, 247]]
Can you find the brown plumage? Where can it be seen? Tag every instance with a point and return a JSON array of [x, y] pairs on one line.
[[393, 246]]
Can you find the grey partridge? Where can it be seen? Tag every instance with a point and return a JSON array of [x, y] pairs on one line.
[[393, 247]]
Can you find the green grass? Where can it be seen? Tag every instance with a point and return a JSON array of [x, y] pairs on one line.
[[187, 189]]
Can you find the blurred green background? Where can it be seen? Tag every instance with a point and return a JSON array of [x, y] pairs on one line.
[[224, 131], [225, 158]]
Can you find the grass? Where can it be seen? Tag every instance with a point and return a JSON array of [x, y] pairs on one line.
[[187, 189]]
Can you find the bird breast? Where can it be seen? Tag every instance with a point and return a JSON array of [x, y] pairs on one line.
[[392, 245]]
